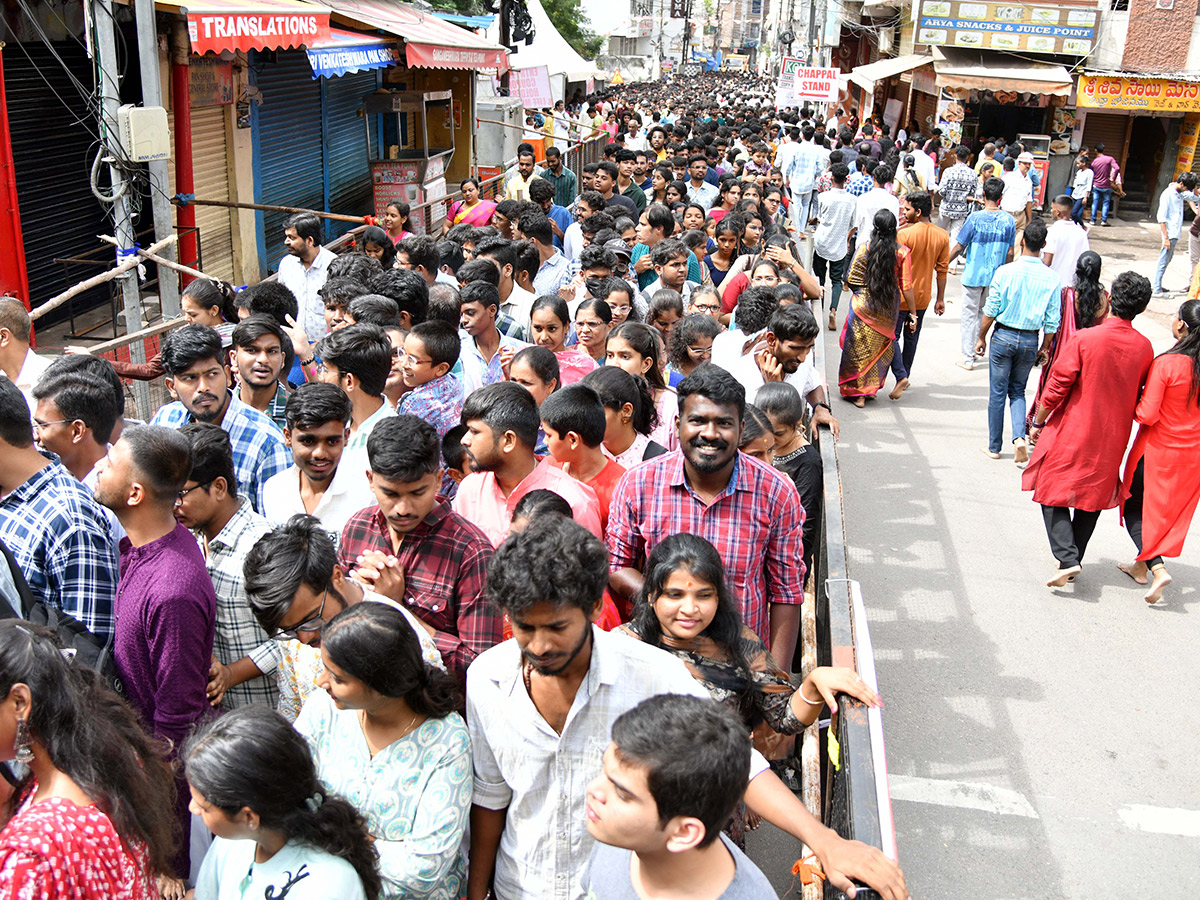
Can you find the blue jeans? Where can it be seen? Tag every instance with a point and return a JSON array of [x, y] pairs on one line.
[[1164, 260], [1077, 211], [1010, 359], [1099, 194]]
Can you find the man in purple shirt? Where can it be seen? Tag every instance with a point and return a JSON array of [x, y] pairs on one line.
[[165, 607], [1105, 173]]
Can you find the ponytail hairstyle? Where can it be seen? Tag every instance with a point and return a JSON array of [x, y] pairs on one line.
[[93, 737], [754, 425], [210, 292], [882, 284], [616, 387], [374, 643], [645, 341], [252, 757], [910, 174], [1189, 344], [1089, 296]]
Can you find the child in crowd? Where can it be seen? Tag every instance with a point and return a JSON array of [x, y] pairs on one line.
[[795, 455], [665, 312], [430, 352], [629, 415], [574, 423], [455, 458], [690, 346], [638, 349], [551, 322], [536, 370]]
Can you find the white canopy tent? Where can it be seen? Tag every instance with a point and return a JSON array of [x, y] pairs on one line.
[[550, 49]]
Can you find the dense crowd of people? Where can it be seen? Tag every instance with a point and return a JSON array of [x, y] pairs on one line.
[[471, 565]]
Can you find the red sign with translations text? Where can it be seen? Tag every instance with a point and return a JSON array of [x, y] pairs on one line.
[[212, 32]]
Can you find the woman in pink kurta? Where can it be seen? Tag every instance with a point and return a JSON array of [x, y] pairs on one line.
[[1092, 391], [1162, 474]]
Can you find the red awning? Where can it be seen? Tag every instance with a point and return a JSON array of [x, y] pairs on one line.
[[217, 25], [430, 42]]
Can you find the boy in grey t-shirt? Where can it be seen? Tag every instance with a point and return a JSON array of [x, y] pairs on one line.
[[676, 767]]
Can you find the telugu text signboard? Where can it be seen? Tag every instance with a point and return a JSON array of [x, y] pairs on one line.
[[816, 83], [1148, 94], [1007, 26]]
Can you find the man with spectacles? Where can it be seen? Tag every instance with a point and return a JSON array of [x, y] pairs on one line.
[[358, 359], [199, 380], [294, 586], [165, 606]]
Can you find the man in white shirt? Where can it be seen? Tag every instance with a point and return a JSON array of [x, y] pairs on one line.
[[304, 270], [1017, 199], [326, 480], [18, 362], [877, 198], [541, 706], [1066, 241]]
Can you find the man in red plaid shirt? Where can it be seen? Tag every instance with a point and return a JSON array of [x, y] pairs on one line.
[[412, 548]]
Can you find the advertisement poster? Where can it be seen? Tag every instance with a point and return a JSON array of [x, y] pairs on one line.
[[1116, 92], [1062, 130], [950, 114], [1187, 143], [1007, 26]]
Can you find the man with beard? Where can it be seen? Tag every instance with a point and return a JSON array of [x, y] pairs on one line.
[[259, 356], [746, 509], [198, 379], [502, 430], [304, 270], [326, 480], [294, 585], [541, 708], [411, 547]]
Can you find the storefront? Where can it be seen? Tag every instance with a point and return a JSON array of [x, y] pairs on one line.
[[891, 91]]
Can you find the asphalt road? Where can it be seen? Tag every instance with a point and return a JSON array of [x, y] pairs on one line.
[[1040, 742]]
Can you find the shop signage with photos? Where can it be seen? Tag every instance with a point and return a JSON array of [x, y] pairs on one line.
[[950, 114], [1115, 92], [1186, 153], [1007, 26]]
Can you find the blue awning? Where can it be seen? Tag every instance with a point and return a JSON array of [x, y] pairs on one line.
[[348, 51], [468, 21]]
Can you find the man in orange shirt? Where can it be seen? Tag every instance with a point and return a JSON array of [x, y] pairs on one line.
[[930, 248]]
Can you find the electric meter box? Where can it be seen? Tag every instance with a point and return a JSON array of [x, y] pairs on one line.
[[144, 132]]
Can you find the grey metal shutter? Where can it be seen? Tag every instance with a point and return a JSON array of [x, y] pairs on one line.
[[59, 215], [210, 172], [288, 153], [349, 174]]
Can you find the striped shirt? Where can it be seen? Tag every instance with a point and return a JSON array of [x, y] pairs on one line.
[[59, 537], [238, 633], [1025, 295]]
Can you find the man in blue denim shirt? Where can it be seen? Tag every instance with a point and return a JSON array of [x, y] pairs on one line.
[[1170, 221], [1024, 298]]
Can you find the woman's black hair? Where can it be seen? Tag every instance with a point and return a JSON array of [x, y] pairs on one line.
[[686, 332], [93, 737], [543, 362], [617, 387], [541, 502], [470, 178], [882, 284], [373, 234], [253, 757], [1189, 344], [210, 292], [762, 261], [732, 223], [403, 208], [754, 425], [698, 557], [680, 186], [374, 643], [598, 306], [1089, 295], [556, 305], [645, 341]]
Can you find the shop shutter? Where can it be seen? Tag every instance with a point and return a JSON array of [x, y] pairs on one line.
[[210, 173], [925, 111], [1108, 129], [346, 147], [288, 153], [51, 156]]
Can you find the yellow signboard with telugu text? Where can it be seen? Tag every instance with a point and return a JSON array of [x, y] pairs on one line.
[[1137, 94]]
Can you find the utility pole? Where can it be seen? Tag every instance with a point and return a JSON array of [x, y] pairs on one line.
[[160, 196], [506, 41], [106, 47], [812, 33]]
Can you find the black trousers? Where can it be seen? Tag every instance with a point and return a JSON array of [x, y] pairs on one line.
[[1133, 511], [1069, 535]]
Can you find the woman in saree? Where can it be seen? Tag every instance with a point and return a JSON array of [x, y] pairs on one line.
[[470, 210], [1162, 480], [880, 276], [685, 608], [1083, 305]]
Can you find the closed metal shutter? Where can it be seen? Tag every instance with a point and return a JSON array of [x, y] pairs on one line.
[[51, 156], [346, 147], [210, 172], [288, 153], [925, 111], [1108, 129]]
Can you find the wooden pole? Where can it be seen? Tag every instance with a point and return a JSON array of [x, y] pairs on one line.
[[121, 269], [160, 260], [228, 204]]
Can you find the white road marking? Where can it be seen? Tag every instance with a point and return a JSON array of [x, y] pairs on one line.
[[961, 794], [1161, 819]]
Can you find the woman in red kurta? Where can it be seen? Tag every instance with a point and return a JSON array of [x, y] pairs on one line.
[[1093, 392], [1162, 475]]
